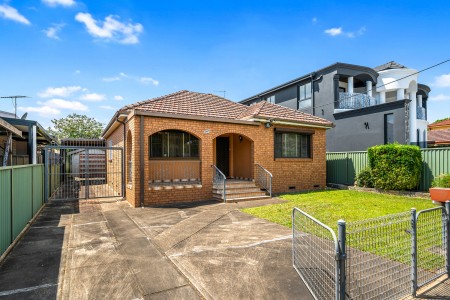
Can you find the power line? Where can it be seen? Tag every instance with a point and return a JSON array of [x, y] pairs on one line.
[[376, 87]]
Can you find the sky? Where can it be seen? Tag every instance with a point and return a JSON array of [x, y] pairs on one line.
[[93, 57]]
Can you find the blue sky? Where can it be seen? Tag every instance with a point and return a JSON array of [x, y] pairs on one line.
[[93, 57]]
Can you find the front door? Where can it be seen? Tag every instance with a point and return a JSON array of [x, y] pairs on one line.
[[223, 155]]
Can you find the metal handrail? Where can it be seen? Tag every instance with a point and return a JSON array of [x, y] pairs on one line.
[[263, 183], [218, 177]]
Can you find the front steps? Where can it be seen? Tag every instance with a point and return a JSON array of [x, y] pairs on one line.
[[239, 190]]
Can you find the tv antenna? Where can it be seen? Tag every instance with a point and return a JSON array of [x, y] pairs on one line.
[[14, 101], [221, 92]]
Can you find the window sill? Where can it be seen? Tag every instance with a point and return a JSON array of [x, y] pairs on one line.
[[293, 159]]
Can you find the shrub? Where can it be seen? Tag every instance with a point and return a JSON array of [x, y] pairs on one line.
[[395, 166], [442, 181], [365, 178]]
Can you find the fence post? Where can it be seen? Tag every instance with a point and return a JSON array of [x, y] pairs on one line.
[[446, 239], [413, 252], [341, 260]]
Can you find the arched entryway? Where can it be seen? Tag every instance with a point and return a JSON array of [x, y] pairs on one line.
[[233, 155]]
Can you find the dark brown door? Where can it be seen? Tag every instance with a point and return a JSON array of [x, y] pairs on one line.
[[223, 155]]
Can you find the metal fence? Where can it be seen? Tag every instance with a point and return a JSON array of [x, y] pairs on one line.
[[378, 253], [389, 257], [21, 197], [343, 167], [431, 255], [79, 172], [314, 252]]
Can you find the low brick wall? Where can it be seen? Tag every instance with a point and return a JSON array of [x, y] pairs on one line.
[[411, 194]]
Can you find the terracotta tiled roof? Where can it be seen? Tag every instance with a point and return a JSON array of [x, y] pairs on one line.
[[439, 136], [389, 65], [212, 106], [265, 109], [442, 123]]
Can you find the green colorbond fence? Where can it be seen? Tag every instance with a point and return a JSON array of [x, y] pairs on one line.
[[21, 197], [342, 167]]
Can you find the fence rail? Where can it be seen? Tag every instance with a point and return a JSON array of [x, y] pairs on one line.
[[343, 167], [21, 197], [390, 257]]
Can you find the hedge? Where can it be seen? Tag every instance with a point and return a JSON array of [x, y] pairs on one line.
[[395, 166]]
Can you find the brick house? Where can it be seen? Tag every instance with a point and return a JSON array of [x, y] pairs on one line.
[[180, 147]]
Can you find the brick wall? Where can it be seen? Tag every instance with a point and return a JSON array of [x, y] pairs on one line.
[[298, 173]]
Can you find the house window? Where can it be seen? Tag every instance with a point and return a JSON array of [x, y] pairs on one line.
[[271, 99], [173, 144], [292, 145], [388, 128], [304, 96]]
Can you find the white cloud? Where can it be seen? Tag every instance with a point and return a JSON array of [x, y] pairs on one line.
[[148, 80], [109, 79], [94, 97], [63, 91], [442, 81], [111, 29], [9, 12], [77, 72], [44, 111], [64, 104], [66, 3], [118, 98], [336, 31], [107, 107], [440, 97], [143, 80], [314, 20], [52, 31]]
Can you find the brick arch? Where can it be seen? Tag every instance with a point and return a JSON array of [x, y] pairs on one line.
[[233, 132], [196, 135]]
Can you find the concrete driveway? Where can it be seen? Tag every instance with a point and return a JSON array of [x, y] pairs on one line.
[[106, 249]]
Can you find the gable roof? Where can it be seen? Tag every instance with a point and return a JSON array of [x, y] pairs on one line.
[[193, 105], [389, 65]]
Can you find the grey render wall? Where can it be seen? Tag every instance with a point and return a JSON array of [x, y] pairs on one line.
[[350, 133]]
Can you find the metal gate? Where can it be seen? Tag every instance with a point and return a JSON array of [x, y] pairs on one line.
[[74, 172], [431, 245]]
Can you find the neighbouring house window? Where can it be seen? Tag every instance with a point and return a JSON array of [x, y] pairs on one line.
[[271, 99], [304, 96], [173, 144], [292, 145], [388, 128], [110, 144]]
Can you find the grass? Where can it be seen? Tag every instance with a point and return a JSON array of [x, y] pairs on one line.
[[331, 205]]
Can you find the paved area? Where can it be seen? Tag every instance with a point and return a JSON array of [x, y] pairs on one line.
[[106, 249]]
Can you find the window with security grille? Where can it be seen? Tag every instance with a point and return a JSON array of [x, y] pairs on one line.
[[173, 144], [292, 145]]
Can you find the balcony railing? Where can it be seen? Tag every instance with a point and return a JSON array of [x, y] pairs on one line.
[[178, 174], [421, 113], [355, 101]]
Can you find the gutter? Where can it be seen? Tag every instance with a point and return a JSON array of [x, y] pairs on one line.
[[282, 122]]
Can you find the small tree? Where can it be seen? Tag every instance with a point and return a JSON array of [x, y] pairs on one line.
[[395, 166], [76, 126]]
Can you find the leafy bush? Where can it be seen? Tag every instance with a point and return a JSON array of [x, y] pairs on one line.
[[365, 178], [395, 166], [442, 181]]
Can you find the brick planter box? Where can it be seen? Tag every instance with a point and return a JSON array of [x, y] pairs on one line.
[[440, 194]]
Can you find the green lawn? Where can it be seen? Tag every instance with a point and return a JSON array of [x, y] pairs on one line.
[[331, 205]]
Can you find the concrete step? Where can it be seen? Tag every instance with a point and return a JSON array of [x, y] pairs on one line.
[[238, 190], [241, 199], [240, 195], [235, 185]]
